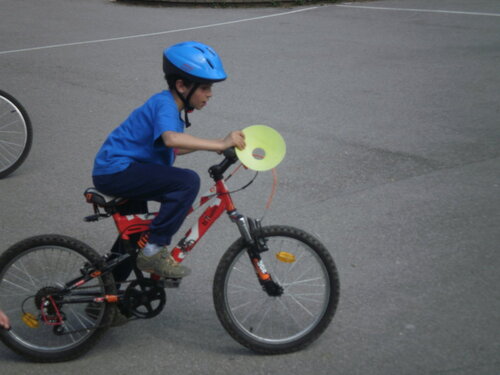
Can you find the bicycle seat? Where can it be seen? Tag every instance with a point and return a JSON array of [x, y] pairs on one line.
[[92, 195]]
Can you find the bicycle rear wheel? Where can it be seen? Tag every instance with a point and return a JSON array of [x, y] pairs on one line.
[[16, 134], [35, 271], [302, 266]]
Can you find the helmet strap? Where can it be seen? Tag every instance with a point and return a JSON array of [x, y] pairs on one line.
[[187, 106]]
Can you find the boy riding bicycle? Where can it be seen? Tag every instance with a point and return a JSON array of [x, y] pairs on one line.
[[136, 160]]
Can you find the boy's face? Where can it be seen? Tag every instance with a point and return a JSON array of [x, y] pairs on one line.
[[200, 97]]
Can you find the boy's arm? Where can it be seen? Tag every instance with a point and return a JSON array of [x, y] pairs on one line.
[[186, 142], [182, 151]]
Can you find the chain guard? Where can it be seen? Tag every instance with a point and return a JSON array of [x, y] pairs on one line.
[[144, 299]]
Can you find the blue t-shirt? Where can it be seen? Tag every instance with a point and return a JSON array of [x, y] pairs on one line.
[[138, 138]]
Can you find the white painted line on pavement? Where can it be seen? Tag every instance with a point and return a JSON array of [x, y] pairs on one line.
[[157, 33], [420, 10]]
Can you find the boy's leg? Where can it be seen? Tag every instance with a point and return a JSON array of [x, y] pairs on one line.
[[174, 188]]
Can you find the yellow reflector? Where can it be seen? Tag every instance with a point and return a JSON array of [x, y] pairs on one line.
[[285, 257], [30, 320]]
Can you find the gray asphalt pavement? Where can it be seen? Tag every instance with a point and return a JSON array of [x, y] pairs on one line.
[[391, 118]]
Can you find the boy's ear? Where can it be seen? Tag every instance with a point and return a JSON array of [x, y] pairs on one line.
[[181, 87]]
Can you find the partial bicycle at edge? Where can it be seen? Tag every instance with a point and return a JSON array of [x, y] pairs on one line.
[[16, 134]]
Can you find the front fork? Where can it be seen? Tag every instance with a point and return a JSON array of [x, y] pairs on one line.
[[251, 232]]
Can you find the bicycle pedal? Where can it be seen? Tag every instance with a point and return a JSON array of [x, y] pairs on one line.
[[171, 283], [165, 282]]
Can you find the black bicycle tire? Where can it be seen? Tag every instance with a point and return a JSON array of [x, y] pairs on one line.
[[109, 287], [220, 301], [29, 135]]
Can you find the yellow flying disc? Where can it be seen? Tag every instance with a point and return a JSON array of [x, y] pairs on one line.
[[265, 148]]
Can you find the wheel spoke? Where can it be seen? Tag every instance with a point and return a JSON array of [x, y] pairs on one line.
[[244, 304], [301, 305], [289, 313], [269, 306]]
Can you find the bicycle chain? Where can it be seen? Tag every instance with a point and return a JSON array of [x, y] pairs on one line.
[[103, 325]]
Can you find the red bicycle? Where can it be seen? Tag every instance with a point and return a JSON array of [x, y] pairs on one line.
[[275, 289]]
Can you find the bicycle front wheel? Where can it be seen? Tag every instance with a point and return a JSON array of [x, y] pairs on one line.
[[48, 324], [306, 272], [16, 134]]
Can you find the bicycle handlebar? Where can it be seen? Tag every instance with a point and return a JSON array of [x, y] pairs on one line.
[[217, 171]]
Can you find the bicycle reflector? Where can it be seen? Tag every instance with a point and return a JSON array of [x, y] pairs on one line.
[[285, 257], [30, 320], [265, 148]]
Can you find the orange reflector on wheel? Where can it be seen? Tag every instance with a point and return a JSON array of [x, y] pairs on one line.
[[285, 257], [30, 320]]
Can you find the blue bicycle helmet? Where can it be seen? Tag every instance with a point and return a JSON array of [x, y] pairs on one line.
[[195, 62]]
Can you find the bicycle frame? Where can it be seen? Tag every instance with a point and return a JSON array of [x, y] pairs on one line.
[[128, 225], [132, 224], [222, 203]]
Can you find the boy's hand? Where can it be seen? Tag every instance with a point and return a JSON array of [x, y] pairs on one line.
[[235, 139]]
